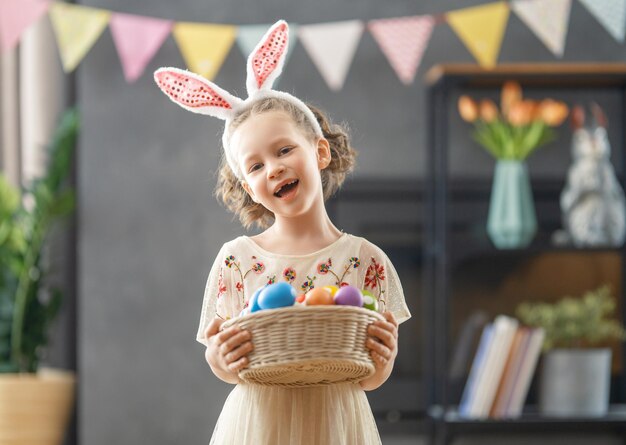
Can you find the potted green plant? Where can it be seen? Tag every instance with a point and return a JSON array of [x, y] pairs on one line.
[[576, 369], [35, 404], [510, 134]]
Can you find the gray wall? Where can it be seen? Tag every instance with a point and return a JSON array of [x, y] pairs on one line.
[[149, 227]]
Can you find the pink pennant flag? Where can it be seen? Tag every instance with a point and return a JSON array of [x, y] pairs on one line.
[[137, 40], [403, 40], [15, 17]]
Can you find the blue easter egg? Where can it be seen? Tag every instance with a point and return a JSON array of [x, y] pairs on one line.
[[277, 295], [244, 311], [254, 301]]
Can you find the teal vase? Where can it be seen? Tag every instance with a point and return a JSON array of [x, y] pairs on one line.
[[512, 222]]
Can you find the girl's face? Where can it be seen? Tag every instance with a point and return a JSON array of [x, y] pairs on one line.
[[280, 165]]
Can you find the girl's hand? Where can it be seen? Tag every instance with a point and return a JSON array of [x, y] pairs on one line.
[[383, 340], [227, 350]]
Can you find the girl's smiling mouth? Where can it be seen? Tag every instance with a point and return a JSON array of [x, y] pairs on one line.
[[287, 188]]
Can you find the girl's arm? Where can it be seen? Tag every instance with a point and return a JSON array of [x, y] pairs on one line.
[[226, 351], [383, 346]]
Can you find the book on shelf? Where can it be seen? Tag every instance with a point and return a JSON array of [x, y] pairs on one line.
[[525, 373], [503, 332], [511, 370], [469, 392], [502, 370]]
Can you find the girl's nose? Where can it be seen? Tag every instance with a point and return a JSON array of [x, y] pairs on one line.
[[276, 170]]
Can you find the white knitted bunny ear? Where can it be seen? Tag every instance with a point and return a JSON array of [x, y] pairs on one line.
[[195, 93], [266, 62]]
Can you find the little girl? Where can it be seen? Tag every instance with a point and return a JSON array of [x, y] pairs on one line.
[[282, 160]]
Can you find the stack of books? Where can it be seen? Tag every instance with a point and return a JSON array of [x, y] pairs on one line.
[[503, 367]]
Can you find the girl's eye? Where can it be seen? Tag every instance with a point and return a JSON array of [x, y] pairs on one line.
[[254, 167], [285, 150]]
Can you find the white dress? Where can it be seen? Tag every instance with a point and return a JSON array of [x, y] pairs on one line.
[[336, 414]]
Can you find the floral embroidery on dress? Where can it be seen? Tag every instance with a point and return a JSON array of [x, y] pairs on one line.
[[229, 260], [289, 274], [308, 284], [221, 291], [257, 267], [221, 287], [374, 276], [326, 268]]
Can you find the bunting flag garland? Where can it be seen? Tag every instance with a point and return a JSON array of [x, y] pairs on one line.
[[548, 20], [332, 46], [403, 41], [76, 28], [137, 39], [15, 17], [204, 46], [481, 28], [611, 14]]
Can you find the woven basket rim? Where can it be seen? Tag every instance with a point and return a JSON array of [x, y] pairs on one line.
[[272, 313]]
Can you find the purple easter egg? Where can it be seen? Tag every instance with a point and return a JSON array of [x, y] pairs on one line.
[[277, 295], [349, 296]]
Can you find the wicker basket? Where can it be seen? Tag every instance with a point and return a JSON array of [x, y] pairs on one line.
[[307, 345]]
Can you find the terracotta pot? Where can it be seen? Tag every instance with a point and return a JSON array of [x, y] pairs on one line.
[[35, 408]]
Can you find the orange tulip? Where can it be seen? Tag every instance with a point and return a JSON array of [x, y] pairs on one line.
[[468, 109], [511, 94], [553, 113], [488, 110], [521, 113]]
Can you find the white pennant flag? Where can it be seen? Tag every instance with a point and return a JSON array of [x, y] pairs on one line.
[[331, 46], [547, 19], [611, 14]]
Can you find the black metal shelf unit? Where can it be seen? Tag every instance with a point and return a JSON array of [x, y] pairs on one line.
[[443, 251]]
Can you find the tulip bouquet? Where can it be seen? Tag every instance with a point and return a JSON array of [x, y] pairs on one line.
[[518, 128]]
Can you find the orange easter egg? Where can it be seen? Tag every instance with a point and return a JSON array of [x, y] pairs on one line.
[[318, 296], [300, 298]]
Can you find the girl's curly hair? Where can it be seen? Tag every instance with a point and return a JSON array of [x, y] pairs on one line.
[[229, 189]]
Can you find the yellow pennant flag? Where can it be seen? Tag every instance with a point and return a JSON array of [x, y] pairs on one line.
[[204, 47], [481, 28], [76, 28]]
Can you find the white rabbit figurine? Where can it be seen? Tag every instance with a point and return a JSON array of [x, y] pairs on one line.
[[592, 202]]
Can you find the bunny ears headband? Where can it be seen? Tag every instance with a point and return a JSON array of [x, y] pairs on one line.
[[199, 95]]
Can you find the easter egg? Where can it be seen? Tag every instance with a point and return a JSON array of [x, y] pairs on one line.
[[318, 296], [300, 298], [254, 301], [349, 296], [369, 301], [332, 289], [244, 311], [277, 295]]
